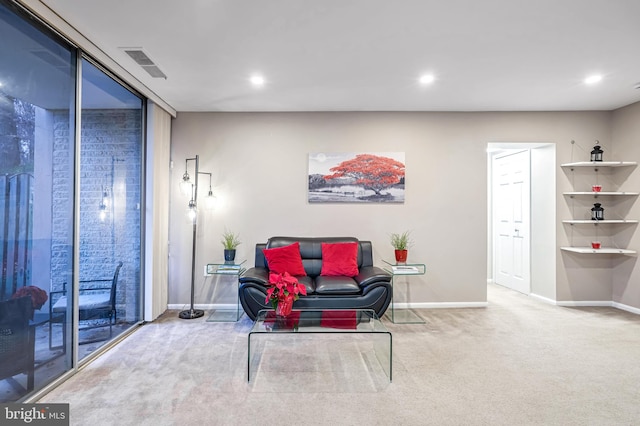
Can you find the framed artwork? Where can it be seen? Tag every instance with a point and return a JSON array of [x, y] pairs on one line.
[[367, 177]]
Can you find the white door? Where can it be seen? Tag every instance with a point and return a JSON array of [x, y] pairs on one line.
[[511, 227]]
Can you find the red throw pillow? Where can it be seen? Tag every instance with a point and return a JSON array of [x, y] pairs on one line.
[[339, 319], [339, 259], [285, 259]]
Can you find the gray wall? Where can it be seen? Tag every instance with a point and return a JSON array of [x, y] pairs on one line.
[[259, 165], [626, 272]]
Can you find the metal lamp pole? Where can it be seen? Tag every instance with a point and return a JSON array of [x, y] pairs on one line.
[[192, 313]]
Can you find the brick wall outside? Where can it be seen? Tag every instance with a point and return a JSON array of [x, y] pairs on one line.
[[62, 202], [111, 156]]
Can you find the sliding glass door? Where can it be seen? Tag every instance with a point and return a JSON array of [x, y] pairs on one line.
[[37, 158], [110, 208], [71, 167]]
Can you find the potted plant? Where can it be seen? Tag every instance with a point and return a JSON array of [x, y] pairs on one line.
[[284, 289], [230, 241], [401, 243]]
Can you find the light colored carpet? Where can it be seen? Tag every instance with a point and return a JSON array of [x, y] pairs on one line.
[[50, 363], [516, 362]]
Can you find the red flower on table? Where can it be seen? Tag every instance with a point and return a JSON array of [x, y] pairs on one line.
[[283, 287], [274, 322]]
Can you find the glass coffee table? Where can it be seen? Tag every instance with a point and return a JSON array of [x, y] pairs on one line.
[[361, 322]]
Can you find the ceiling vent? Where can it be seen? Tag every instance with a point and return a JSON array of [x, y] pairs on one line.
[[142, 59]]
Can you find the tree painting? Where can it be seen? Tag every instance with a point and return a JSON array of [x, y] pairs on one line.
[[362, 177], [370, 171]]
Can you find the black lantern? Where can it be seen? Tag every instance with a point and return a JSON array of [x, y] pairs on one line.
[[596, 154], [597, 212]]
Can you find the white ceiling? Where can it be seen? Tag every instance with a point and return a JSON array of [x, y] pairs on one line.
[[366, 55]]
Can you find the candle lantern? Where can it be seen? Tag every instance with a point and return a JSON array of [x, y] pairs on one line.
[[597, 212], [596, 154]]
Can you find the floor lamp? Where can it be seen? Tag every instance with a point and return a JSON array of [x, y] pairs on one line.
[[187, 186]]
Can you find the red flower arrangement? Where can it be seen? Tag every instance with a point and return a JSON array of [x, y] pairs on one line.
[[273, 322], [284, 290]]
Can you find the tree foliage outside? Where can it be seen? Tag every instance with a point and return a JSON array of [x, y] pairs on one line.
[[17, 128], [373, 172]]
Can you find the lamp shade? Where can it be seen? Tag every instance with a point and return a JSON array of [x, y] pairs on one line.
[[185, 184], [210, 201]]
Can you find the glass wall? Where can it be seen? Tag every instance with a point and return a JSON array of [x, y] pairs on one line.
[[61, 291], [37, 98], [110, 214]]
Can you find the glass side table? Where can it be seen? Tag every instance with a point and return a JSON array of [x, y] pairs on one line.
[[403, 315], [232, 269]]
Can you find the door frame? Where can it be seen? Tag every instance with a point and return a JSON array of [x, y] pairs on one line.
[[543, 217]]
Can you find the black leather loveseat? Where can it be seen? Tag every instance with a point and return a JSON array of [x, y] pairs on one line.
[[370, 288]]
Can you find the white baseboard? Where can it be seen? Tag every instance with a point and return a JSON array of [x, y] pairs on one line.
[[588, 303], [440, 305], [543, 299], [428, 305], [584, 303], [203, 306], [626, 308]]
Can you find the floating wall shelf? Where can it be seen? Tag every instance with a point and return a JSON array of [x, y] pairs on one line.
[[597, 222], [603, 250], [600, 164], [601, 194], [575, 195]]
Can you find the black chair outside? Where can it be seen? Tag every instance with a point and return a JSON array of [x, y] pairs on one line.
[[17, 341], [96, 302]]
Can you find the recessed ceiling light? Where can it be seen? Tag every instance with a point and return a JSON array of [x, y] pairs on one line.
[[593, 79], [257, 80], [426, 79]]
